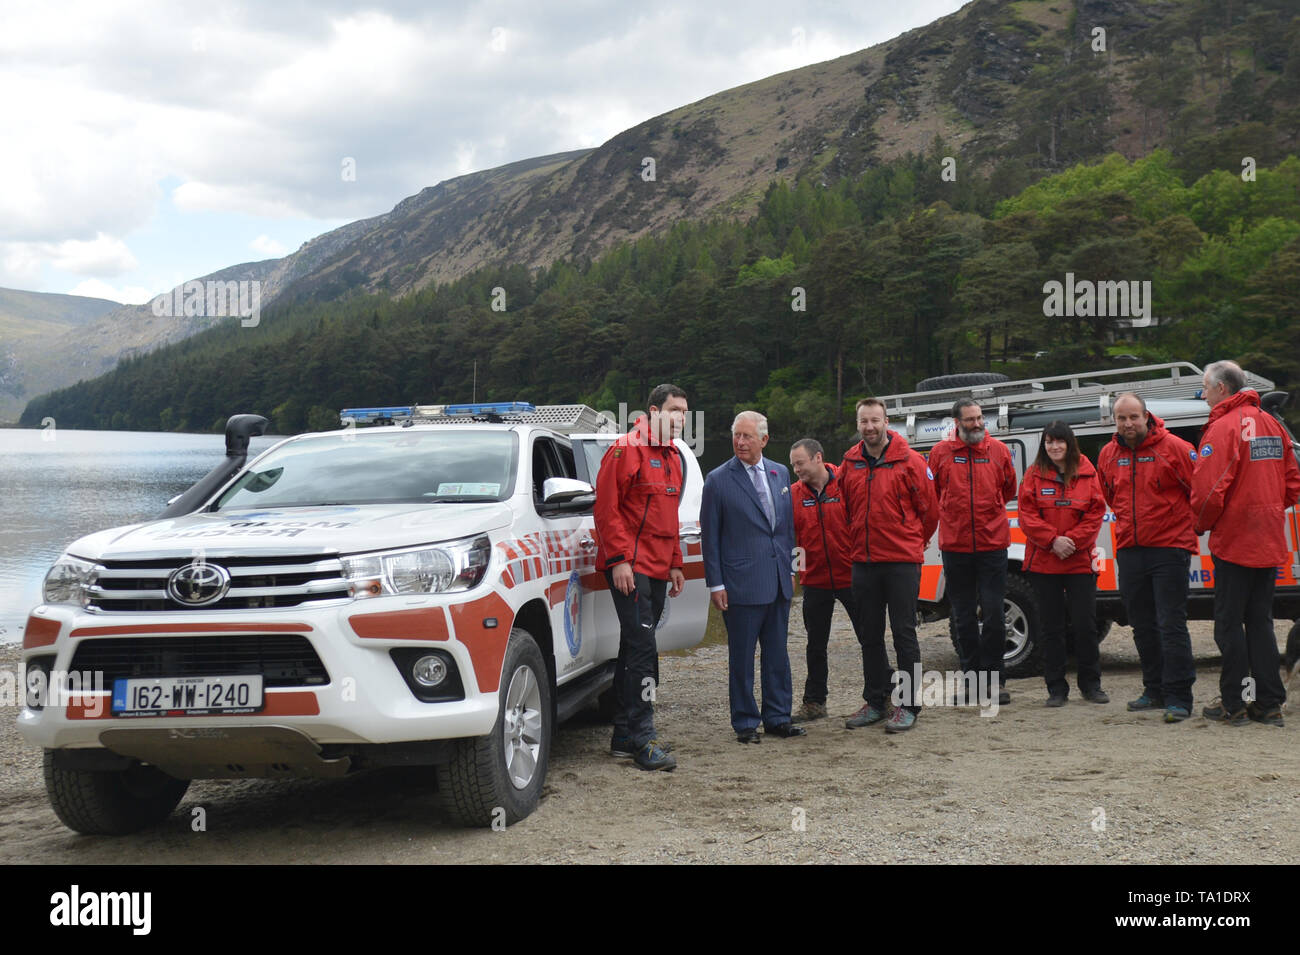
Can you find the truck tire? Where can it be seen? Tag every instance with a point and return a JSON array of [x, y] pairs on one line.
[[111, 802], [1292, 655], [497, 779], [1023, 655], [967, 380]]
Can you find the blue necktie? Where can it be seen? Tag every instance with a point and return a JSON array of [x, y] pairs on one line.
[[760, 485]]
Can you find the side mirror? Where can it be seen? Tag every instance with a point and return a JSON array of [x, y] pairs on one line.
[[566, 491]]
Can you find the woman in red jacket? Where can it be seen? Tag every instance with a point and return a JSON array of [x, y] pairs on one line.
[[1061, 509]]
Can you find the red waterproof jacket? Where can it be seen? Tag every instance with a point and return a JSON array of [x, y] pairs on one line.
[[821, 529], [637, 492], [892, 510], [1148, 489], [974, 483], [1049, 508], [1246, 477]]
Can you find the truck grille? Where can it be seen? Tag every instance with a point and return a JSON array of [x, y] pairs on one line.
[[281, 659], [136, 586]]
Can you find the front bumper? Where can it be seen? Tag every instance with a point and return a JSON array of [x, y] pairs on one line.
[[364, 698]]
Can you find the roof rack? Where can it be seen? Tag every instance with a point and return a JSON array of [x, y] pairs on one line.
[[565, 419], [1171, 380], [1178, 379]]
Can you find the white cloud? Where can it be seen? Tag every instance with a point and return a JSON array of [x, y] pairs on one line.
[[252, 108], [126, 294], [267, 246]]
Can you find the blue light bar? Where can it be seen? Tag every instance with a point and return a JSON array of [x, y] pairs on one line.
[[497, 408], [376, 414]]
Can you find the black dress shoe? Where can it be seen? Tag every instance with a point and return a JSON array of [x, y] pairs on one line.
[[748, 736], [785, 729]]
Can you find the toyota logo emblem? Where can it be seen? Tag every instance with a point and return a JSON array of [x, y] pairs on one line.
[[197, 585]]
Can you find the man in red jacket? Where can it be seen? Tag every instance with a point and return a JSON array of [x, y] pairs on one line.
[[822, 533], [1246, 477], [975, 478], [638, 489], [892, 513], [1146, 477]]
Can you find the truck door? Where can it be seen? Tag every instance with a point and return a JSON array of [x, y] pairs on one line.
[[685, 616], [568, 563]]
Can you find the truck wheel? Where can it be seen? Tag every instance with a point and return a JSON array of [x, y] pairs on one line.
[[111, 802], [1024, 651], [497, 779], [1023, 655], [1292, 656]]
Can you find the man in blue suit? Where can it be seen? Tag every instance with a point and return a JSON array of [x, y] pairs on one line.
[[748, 529]]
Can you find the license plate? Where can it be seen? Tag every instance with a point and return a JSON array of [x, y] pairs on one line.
[[187, 696]]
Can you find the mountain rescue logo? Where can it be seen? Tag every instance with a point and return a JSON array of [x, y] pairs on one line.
[[573, 614]]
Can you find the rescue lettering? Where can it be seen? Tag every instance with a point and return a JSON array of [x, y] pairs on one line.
[[1267, 448]]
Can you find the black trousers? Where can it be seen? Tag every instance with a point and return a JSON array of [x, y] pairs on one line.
[[878, 587], [638, 656], [1068, 598], [1243, 629], [971, 580], [818, 607], [1153, 584]]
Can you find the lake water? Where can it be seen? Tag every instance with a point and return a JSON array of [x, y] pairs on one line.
[[56, 486]]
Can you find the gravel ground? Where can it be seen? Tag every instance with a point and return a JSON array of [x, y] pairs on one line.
[[1084, 783]]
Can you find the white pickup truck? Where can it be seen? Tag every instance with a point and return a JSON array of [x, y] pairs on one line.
[[423, 593]]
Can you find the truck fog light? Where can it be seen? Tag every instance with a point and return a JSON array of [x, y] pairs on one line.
[[429, 671]]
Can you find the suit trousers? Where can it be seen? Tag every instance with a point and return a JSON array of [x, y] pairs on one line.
[[765, 625]]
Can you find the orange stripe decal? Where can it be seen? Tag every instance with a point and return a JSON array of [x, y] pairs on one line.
[[487, 646], [421, 623], [40, 632]]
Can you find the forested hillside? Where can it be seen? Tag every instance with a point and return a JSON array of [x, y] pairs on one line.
[[826, 294]]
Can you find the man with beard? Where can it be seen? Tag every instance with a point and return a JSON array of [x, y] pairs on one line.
[[975, 478]]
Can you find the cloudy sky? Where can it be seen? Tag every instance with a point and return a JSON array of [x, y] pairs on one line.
[[151, 142]]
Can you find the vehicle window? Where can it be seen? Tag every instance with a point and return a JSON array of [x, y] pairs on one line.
[[1091, 444], [1191, 435], [567, 467], [593, 450], [380, 466], [544, 465]]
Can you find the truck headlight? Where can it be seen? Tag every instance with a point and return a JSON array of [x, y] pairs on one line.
[[440, 569], [69, 580]]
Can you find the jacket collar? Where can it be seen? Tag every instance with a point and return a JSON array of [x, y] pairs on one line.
[[1247, 396]]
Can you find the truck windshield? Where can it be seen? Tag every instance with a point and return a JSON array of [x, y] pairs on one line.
[[388, 465]]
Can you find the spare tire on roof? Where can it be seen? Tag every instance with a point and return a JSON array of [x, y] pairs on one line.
[[968, 380]]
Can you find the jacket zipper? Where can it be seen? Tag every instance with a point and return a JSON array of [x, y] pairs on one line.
[[1134, 480], [970, 472], [826, 547]]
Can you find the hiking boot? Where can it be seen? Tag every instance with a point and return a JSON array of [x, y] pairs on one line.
[[1271, 716], [901, 720], [653, 756], [1096, 695], [1218, 713], [1056, 699], [867, 715], [808, 712], [1176, 714], [1004, 697], [624, 748], [1146, 702]]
